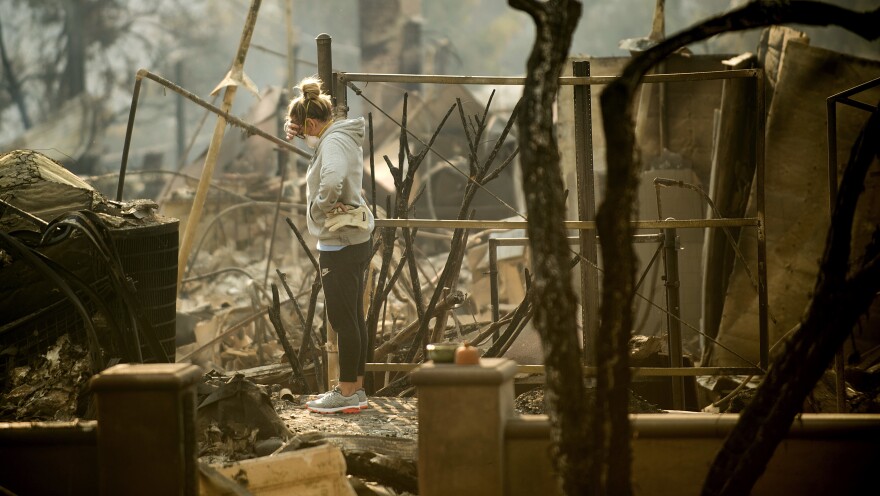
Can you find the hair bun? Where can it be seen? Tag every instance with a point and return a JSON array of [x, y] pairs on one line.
[[311, 90]]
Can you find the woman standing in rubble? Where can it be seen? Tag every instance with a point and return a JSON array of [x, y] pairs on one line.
[[339, 219]]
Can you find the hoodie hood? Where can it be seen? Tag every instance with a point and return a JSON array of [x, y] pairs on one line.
[[353, 128]]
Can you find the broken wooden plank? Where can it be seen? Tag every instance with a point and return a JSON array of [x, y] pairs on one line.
[[315, 471]]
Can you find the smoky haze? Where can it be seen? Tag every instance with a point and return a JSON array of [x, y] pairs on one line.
[[193, 42]]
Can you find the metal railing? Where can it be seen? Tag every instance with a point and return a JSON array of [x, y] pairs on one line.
[[585, 147]]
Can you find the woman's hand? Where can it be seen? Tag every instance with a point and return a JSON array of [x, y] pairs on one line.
[[339, 208], [291, 130]]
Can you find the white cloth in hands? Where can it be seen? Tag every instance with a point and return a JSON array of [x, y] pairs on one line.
[[353, 217]]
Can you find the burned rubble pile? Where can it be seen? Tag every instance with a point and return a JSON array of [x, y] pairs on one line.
[[75, 301], [532, 403], [51, 387], [238, 420], [74, 296]]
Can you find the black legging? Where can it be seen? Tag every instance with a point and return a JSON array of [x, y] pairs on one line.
[[342, 275]]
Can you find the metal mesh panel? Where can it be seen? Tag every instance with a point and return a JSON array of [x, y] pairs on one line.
[[149, 258]]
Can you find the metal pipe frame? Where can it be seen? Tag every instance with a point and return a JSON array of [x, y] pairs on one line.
[[763, 304], [592, 371], [230, 119], [355, 77], [759, 222], [569, 224], [494, 243]]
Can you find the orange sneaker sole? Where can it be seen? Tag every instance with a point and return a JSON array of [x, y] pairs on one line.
[[346, 410]]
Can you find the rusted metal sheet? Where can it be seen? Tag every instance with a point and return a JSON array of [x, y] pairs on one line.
[[795, 184]]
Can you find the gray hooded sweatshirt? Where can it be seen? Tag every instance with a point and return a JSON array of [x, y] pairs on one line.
[[335, 174]]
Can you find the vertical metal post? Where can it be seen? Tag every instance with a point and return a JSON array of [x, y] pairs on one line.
[[325, 63], [586, 191], [325, 72], [671, 245], [493, 282], [126, 145], [411, 52], [760, 124], [831, 105]]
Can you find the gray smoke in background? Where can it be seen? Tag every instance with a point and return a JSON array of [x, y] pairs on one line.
[[495, 39]]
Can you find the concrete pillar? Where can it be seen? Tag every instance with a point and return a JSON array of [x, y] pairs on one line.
[[146, 429], [462, 414]]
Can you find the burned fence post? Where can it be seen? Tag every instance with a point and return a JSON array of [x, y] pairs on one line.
[[311, 343], [278, 324], [325, 63]]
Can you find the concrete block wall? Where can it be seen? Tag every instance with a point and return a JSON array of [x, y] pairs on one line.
[[471, 442]]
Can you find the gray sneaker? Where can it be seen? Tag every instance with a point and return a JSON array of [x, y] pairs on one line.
[[334, 402], [362, 399], [361, 394]]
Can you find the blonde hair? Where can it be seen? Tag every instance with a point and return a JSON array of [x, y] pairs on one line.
[[312, 103]]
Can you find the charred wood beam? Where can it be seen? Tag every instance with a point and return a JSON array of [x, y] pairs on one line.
[[388, 461], [454, 299], [519, 317], [394, 472], [310, 341], [310, 317], [409, 256], [275, 317], [493, 327], [403, 185], [450, 270], [414, 161], [440, 322], [302, 243], [390, 77], [479, 176], [379, 295]]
